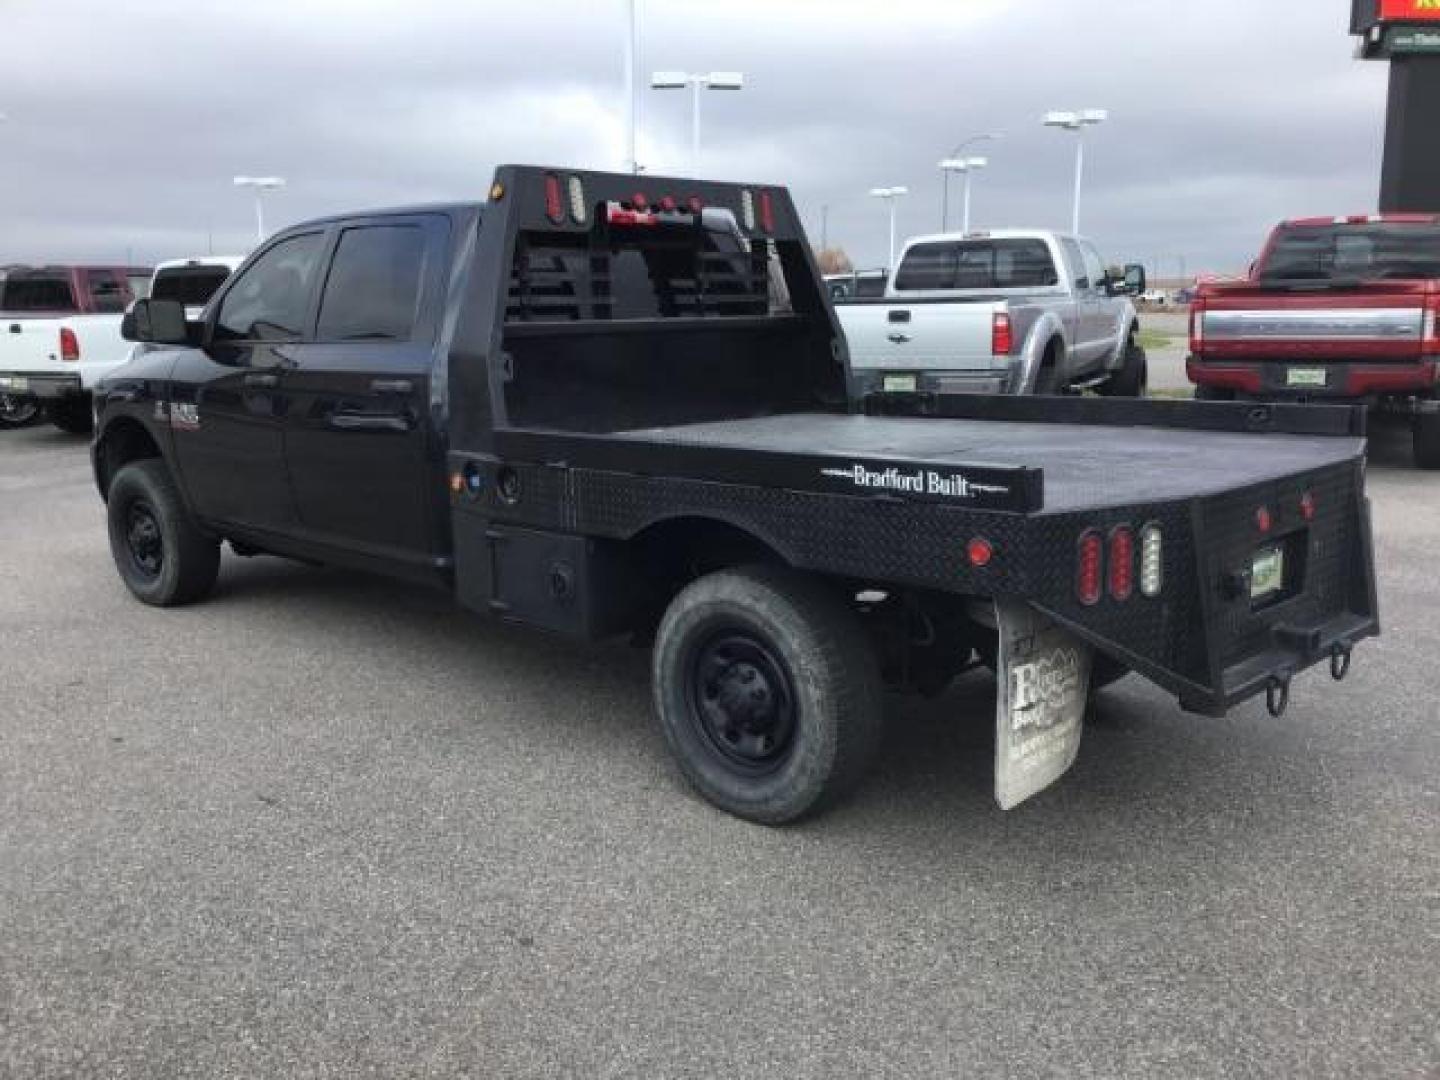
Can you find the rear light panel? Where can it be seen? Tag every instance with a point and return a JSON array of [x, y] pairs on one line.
[[1119, 564], [1002, 334], [1197, 327], [69, 345]]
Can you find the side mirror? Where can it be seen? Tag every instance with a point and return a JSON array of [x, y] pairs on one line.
[[1134, 279], [158, 322]]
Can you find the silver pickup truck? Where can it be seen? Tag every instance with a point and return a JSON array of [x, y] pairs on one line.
[[1005, 312]]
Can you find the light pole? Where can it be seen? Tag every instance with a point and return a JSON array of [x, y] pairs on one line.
[[890, 194], [954, 155], [1077, 122], [260, 184], [696, 81], [965, 166], [631, 105]]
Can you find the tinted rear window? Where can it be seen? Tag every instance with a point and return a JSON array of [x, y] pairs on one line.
[[1351, 251], [374, 284], [976, 264], [42, 291], [190, 285]]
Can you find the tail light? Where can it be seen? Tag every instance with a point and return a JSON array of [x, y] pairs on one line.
[[554, 204], [1152, 561], [639, 201], [1122, 563], [1263, 519], [1430, 343], [1089, 562], [767, 212], [747, 209], [69, 345], [695, 203], [668, 203], [1002, 334], [1197, 327], [578, 209], [1307, 506]]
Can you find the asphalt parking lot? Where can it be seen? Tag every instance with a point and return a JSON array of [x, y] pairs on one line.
[[323, 825]]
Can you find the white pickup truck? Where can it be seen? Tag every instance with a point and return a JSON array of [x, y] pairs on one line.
[[1004, 312], [60, 333]]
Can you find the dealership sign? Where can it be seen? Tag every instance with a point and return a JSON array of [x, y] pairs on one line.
[[1410, 10]]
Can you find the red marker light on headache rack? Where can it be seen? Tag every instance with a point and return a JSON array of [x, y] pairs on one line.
[[767, 212], [1263, 520], [1307, 506], [554, 203]]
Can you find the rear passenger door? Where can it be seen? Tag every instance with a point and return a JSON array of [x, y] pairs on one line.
[[1104, 312], [359, 444]]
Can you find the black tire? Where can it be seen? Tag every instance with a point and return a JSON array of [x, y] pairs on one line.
[[17, 410], [768, 692], [1133, 378], [1213, 393], [163, 557], [1427, 440], [71, 414]]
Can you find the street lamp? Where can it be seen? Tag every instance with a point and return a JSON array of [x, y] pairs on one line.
[[965, 166], [261, 184], [696, 81], [890, 194], [1077, 122], [955, 155]]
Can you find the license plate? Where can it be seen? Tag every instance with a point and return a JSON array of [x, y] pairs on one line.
[[14, 383], [898, 384], [1306, 376], [1267, 572]]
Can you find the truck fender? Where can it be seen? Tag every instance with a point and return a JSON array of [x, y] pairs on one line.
[[1048, 327], [1129, 324]]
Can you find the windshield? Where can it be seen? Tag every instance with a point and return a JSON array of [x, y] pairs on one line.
[[1353, 250], [976, 264], [190, 285]]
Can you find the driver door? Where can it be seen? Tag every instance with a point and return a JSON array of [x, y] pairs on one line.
[[230, 400]]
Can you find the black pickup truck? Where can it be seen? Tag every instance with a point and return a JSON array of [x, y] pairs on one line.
[[604, 404]]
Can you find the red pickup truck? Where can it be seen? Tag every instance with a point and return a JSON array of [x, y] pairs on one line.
[[1342, 308]]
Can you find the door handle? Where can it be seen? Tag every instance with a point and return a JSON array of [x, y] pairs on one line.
[[15, 328], [369, 422], [391, 386], [262, 379], [898, 338]]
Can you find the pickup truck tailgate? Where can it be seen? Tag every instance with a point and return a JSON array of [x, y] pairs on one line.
[[953, 335]]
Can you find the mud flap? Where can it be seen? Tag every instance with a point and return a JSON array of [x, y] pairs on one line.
[[1043, 682]]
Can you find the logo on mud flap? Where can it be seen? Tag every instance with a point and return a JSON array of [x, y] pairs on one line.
[[950, 485], [178, 415], [1043, 692]]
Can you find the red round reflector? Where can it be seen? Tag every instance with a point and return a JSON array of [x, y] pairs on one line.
[[1307, 506], [667, 203], [1090, 558], [1263, 520], [639, 201], [1122, 562], [695, 203], [979, 552]]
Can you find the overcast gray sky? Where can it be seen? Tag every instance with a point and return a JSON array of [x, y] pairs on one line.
[[126, 121]]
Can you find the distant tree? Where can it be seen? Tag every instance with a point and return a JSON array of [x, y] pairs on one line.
[[834, 261]]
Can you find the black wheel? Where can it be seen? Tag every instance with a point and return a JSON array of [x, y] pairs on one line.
[[768, 692], [71, 414], [17, 410], [1133, 378], [1427, 440], [1213, 393], [163, 557]]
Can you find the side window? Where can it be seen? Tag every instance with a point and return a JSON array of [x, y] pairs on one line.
[[1078, 273], [373, 290], [107, 291], [1094, 266], [268, 302]]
